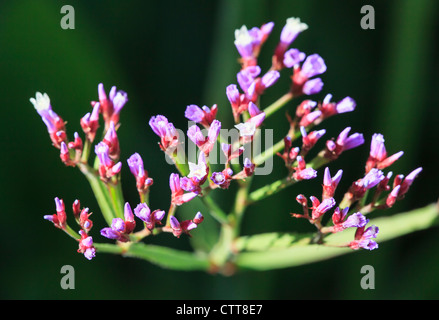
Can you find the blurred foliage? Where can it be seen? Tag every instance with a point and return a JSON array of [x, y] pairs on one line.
[[168, 54]]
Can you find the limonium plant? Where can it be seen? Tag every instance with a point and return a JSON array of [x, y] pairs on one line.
[[340, 217]]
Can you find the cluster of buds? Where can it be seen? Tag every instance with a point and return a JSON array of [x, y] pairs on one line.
[[121, 228], [82, 217], [185, 226]]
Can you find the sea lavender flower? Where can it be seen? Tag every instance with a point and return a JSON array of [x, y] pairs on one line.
[[310, 139], [185, 226], [121, 228], [222, 178], [289, 33], [107, 167], [329, 108], [54, 123], [378, 155], [197, 175], [343, 142], [111, 105], [370, 180], [249, 42], [165, 130], [203, 116], [150, 219], [320, 208], [178, 196], [90, 122], [135, 163], [293, 58], [86, 245], [408, 181], [112, 141], [355, 220], [205, 144], [330, 183], [302, 172], [248, 128], [363, 238], [302, 82], [229, 153], [59, 219]]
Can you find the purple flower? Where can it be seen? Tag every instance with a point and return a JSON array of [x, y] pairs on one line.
[[348, 142], [330, 183], [313, 65], [363, 238], [378, 155], [205, 144], [371, 179], [111, 105], [407, 182], [291, 30], [312, 86], [54, 123], [222, 178], [135, 163], [204, 115], [322, 207], [293, 57], [150, 219], [165, 130], [329, 108], [177, 192]]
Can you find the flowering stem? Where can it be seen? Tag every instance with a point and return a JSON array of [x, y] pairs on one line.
[[269, 189], [86, 151], [100, 193], [115, 192], [278, 104]]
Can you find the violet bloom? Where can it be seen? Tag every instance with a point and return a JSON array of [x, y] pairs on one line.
[[107, 168], [343, 142], [378, 155], [90, 122], [312, 66], [355, 220], [204, 115], [363, 238], [178, 196], [330, 183], [248, 129], [289, 33], [293, 58], [329, 108], [222, 178], [165, 130], [135, 163], [371, 179], [150, 219], [205, 144], [407, 182], [185, 226], [249, 42], [53, 122], [111, 104], [319, 209]]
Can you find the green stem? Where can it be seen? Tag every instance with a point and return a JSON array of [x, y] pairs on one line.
[[101, 193], [270, 189], [278, 104]]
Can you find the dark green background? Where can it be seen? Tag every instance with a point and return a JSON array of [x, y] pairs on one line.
[[168, 54]]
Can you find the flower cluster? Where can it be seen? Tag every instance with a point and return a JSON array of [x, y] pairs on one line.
[[373, 191], [82, 218]]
